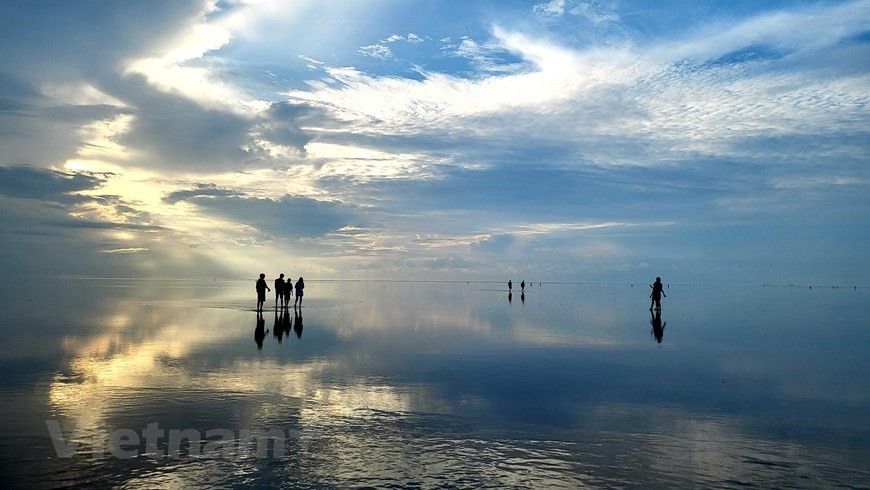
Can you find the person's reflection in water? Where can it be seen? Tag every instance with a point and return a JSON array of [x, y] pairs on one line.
[[523, 297], [297, 327], [260, 330], [286, 325], [278, 326], [510, 297], [658, 328]]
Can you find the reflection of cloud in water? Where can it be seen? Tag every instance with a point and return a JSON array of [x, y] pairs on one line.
[[119, 368]]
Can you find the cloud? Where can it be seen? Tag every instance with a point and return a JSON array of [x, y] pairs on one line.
[[596, 12], [131, 250], [378, 51], [287, 216], [553, 7], [566, 115], [804, 30], [201, 190], [619, 105], [39, 130], [495, 243], [487, 57], [381, 50], [53, 225], [46, 185]]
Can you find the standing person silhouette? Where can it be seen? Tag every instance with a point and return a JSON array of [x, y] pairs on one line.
[[523, 287], [261, 291], [288, 291], [510, 285], [279, 290], [300, 285], [656, 294]]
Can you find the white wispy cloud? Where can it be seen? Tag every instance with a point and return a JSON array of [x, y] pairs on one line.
[[379, 51], [806, 29]]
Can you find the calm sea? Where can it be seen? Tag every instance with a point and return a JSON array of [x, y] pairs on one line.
[[145, 384]]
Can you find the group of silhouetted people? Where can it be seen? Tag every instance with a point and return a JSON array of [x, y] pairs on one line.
[[522, 286], [283, 291]]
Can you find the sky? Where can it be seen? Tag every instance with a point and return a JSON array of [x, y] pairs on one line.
[[601, 141]]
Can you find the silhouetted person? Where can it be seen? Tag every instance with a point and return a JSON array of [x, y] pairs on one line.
[[261, 291], [656, 294], [260, 330], [279, 291], [297, 326], [300, 285], [288, 291], [523, 286], [278, 326], [658, 328], [510, 285]]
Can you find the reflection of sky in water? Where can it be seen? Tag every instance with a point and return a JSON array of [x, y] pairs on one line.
[[446, 382]]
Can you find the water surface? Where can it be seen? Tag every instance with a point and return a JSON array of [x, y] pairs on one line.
[[437, 384]]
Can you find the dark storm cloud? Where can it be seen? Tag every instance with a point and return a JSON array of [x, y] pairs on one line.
[[45, 185], [289, 216]]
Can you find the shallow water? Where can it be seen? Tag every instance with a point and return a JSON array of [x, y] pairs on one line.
[[436, 384]]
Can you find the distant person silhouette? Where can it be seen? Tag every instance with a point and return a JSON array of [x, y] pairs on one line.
[[658, 328], [510, 285], [279, 291], [300, 285], [656, 294], [260, 330], [523, 287], [261, 291], [297, 327]]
